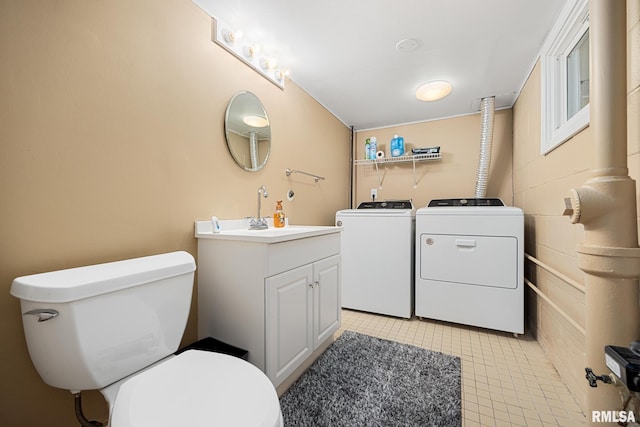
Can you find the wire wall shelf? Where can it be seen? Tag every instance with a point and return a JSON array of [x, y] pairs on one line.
[[400, 159]]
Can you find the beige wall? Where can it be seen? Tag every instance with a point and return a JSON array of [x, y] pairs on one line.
[[452, 176], [633, 90], [541, 182], [112, 144]]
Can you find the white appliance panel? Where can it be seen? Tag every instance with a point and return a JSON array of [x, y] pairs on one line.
[[378, 260], [487, 260], [481, 306], [471, 272]]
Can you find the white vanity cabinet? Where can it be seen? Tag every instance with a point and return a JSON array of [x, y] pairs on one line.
[[277, 298], [301, 314]]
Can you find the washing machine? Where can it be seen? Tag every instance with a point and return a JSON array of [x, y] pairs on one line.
[[469, 263], [378, 243]]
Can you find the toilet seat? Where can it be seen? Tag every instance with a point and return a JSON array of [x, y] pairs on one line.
[[198, 388]]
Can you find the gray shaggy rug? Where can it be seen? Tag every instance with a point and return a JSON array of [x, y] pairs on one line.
[[366, 381]]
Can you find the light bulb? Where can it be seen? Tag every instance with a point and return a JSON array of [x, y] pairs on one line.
[[268, 63], [228, 36], [249, 51]]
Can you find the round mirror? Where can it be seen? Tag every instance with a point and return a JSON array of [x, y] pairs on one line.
[[248, 131]]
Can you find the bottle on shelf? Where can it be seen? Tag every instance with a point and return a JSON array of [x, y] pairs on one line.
[[373, 148], [397, 146]]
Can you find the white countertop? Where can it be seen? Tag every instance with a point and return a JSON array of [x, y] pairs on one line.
[[239, 230]]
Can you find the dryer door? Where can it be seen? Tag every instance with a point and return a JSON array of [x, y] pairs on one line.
[[468, 259]]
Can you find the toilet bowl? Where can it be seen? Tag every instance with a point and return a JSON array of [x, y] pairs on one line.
[[114, 327]]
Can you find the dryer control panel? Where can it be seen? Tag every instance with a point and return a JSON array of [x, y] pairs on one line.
[[465, 202]]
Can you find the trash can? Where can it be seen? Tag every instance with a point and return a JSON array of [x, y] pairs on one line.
[[212, 344]]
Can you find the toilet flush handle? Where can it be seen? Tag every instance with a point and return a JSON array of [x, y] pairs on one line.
[[43, 314]]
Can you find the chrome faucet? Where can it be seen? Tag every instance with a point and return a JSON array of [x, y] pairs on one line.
[[259, 223]]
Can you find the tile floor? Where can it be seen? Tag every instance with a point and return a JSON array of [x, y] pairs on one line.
[[506, 381]]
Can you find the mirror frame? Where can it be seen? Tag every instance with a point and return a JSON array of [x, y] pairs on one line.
[[237, 132]]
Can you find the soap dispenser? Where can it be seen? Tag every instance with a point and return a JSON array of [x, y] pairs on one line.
[[278, 216]]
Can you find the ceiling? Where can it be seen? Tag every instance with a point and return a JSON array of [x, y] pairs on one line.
[[343, 52]]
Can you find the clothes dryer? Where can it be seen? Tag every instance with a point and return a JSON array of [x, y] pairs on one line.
[[469, 263]]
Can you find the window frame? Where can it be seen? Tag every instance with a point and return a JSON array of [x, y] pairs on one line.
[[571, 25]]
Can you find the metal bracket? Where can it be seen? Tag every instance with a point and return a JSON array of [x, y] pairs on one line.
[[593, 378]]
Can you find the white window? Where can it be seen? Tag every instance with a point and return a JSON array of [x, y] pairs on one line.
[[565, 76]]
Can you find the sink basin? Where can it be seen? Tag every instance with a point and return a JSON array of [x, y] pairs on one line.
[[238, 229]]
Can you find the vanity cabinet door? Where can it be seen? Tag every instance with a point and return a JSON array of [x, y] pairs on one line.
[[326, 298], [289, 321]]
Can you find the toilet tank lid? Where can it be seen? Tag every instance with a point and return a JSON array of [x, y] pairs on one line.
[[83, 282]]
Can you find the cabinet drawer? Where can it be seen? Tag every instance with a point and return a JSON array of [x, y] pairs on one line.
[[284, 256]]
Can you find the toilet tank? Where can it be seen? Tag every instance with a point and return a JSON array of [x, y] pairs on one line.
[[112, 319]]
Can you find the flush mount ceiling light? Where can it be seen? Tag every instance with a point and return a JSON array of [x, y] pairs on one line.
[[255, 121], [433, 91]]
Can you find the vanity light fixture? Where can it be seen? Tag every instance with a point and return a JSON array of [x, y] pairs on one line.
[[265, 65], [434, 90], [255, 121]]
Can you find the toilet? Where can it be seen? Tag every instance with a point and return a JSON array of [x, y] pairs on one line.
[[114, 327]]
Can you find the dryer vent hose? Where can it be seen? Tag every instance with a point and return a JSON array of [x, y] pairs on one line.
[[487, 109]]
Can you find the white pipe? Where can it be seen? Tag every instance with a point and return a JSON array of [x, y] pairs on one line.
[[606, 206], [556, 273], [487, 108], [556, 307]]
